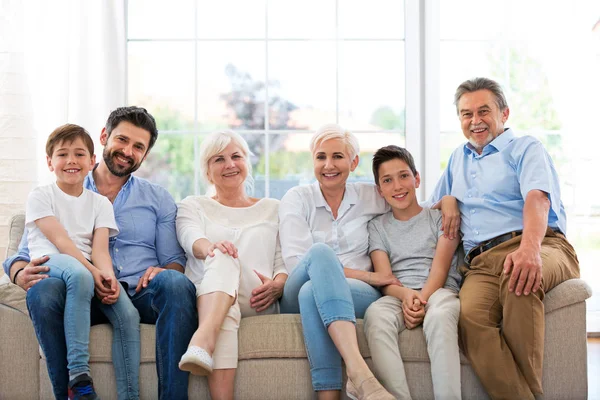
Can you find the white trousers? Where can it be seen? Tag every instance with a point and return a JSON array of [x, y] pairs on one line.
[[384, 322], [223, 273]]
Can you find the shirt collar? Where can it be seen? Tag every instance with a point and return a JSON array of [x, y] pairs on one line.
[[350, 195], [499, 144], [90, 183]]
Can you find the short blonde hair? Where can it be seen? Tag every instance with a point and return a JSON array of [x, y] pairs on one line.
[[334, 131], [215, 143]]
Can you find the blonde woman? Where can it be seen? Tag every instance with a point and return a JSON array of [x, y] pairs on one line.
[[234, 259], [324, 240]]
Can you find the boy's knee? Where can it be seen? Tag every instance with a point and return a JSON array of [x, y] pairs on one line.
[[378, 317], [47, 296]]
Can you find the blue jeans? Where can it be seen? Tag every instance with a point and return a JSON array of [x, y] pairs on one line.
[[79, 285], [169, 301], [319, 291], [126, 353]]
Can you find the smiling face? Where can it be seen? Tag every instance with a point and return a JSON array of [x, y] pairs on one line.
[[480, 118], [397, 185], [228, 169], [332, 164], [125, 149], [71, 162]]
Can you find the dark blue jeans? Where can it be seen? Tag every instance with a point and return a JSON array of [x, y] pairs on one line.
[[169, 302]]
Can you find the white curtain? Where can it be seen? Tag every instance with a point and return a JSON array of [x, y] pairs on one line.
[[60, 61]]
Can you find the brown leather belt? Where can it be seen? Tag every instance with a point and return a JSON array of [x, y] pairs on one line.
[[485, 246]]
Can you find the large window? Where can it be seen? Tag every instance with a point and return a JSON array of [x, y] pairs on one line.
[[274, 71]]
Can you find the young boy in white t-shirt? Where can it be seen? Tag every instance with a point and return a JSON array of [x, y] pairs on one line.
[[72, 226], [409, 243]]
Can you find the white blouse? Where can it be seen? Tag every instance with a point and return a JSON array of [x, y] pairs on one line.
[[253, 230], [305, 218]]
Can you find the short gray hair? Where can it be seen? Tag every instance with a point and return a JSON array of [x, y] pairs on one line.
[[334, 131], [215, 143], [475, 84]]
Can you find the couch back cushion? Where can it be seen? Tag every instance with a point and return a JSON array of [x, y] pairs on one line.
[[16, 226]]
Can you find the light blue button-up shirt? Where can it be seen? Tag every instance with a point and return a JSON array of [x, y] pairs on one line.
[[145, 214], [491, 188]]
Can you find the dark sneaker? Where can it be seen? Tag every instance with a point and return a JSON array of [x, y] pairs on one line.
[[82, 388]]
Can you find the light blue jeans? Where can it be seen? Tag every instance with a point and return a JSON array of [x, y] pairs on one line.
[[80, 290], [319, 291], [126, 352], [78, 286]]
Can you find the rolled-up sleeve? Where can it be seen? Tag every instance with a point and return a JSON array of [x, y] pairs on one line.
[[190, 225], [21, 255], [168, 249], [294, 229]]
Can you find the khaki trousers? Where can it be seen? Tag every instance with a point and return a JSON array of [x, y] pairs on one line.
[[503, 334], [383, 323]]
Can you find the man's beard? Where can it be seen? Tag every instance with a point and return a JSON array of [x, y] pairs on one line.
[[116, 169], [488, 140]]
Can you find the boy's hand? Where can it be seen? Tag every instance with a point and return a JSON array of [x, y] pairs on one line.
[[102, 284], [413, 308], [110, 281]]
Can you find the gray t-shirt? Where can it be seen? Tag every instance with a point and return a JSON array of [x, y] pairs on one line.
[[411, 245]]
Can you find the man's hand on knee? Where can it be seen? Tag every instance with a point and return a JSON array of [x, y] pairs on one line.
[[32, 273], [150, 273], [526, 266]]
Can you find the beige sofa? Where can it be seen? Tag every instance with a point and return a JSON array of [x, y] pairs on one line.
[[273, 363]]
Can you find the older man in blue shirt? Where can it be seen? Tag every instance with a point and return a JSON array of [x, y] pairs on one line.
[[146, 256], [513, 224]]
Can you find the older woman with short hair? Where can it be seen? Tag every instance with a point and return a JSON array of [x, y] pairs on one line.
[[324, 238], [234, 259]]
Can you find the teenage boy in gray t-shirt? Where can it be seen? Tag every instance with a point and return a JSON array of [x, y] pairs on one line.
[[408, 242]]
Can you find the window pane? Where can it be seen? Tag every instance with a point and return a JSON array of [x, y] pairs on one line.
[[473, 20], [231, 19], [256, 143], [159, 19], [170, 164], [231, 89], [170, 100], [485, 59], [302, 84], [372, 85], [308, 19], [374, 19]]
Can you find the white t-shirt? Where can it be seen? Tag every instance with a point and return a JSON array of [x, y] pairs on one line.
[[253, 230], [80, 216]]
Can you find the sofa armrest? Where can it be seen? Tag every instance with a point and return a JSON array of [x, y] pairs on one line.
[[567, 293], [20, 360], [16, 226]]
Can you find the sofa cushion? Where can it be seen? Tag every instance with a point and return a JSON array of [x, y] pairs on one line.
[[16, 225], [280, 336], [12, 295]]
